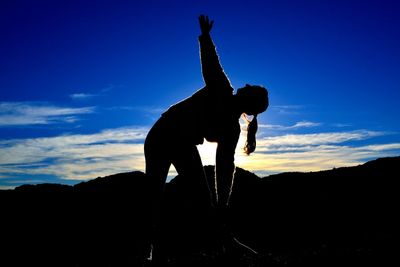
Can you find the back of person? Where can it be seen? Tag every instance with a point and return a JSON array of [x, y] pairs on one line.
[[196, 117]]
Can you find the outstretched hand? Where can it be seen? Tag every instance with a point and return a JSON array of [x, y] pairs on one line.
[[205, 24]]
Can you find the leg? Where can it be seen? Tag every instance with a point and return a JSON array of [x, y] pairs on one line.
[[192, 232], [156, 152], [156, 171], [187, 162], [157, 167]]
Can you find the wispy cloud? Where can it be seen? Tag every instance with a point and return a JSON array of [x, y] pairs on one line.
[[85, 96], [294, 140], [86, 156], [31, 113], [81, 96], [313, 152], [75, 157], [287, 109], [6, 187], [307, 152], [142, 109], [341, 125], [298, 125]]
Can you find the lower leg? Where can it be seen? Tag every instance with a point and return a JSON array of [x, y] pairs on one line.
[[156, 172]]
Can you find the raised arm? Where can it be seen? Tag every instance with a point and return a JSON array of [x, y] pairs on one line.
[[213, 74]]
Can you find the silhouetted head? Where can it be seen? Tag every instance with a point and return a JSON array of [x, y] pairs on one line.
[[252, 100]]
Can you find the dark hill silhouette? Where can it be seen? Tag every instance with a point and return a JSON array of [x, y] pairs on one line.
[[327, 218]]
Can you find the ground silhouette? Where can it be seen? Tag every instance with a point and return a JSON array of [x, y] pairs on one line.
[[326, 218]]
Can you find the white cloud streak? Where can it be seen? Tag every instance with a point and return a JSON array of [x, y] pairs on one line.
[[85, 96], [293, 140], [81, 96], [76, 157], [34, 113], [287, 109], [298, 125], [87, 156], [306, 152], [314, 152]]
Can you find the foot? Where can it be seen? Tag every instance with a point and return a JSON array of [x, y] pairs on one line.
[[232, 245]]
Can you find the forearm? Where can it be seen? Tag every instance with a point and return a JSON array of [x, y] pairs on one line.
[[210, 64], [224, 170], [224, 176]]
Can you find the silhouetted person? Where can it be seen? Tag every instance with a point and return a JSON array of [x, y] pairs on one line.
[[213, 113]]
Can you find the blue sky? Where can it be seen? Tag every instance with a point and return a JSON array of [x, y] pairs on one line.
[[81, 82]]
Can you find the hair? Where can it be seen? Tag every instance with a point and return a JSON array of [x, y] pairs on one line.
[[252, 127], [258, 96]]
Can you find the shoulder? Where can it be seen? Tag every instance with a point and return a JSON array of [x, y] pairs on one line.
[[219, 90]]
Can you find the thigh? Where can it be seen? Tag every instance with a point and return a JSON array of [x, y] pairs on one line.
[[157, 171], [157, 166], [187, 162]]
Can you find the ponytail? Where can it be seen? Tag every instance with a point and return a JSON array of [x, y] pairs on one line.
[[252, 127]]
